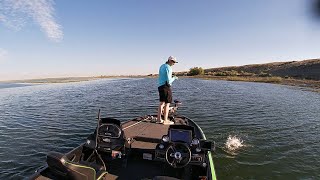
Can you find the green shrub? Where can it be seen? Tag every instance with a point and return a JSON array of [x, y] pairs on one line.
[[227, 73], [220, 74], [232, 73], [263, 74], [195, 71]]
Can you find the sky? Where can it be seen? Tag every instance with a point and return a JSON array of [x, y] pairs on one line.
[[60, 38]]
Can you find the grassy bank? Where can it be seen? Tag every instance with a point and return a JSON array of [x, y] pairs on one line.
[[243, 78], [312, 84]]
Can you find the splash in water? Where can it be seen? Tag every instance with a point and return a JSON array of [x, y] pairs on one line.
[[233, 143]]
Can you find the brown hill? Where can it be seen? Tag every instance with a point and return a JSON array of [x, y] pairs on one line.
[[307, 69]]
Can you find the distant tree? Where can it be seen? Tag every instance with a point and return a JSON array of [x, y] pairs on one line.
[[195, 71]]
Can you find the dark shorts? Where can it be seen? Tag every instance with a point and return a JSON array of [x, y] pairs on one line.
[[165, 93]]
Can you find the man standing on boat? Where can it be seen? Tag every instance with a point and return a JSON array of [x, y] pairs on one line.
[[165, 81]]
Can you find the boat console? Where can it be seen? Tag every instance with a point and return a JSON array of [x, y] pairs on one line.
[[110, 136], [180, 147]]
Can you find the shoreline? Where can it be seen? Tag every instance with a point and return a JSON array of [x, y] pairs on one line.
[[67, 79], [312, 85]]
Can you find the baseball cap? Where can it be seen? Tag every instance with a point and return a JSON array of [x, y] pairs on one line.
[[171, 58]]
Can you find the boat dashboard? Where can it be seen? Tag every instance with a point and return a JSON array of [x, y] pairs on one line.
[[180, 147]]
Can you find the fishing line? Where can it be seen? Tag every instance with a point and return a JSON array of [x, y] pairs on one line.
[[193, 85]]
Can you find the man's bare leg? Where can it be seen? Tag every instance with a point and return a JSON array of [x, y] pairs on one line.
[[166, 112], [160, 108]]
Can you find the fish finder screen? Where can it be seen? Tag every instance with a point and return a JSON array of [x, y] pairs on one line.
[[180, 135]]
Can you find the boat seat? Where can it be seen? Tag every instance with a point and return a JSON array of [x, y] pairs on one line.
[[64, 168]]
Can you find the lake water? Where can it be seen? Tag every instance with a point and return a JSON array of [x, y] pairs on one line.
[[279, 125]]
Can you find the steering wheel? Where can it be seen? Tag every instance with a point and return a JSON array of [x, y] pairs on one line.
[[178, 155]]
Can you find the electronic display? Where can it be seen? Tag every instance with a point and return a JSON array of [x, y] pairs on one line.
[[180, 135]]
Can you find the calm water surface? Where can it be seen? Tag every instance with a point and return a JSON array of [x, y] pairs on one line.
[[279, 125]]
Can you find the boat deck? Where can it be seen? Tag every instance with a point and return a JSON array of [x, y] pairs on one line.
[[146, 135]]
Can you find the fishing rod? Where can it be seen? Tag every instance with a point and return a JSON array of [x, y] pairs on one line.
[[97, 132], [97, 129]]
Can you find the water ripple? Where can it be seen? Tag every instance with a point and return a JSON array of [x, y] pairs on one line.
[[279, 125]]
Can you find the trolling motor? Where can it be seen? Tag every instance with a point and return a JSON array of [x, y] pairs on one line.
[[177, 102], [173, 109]]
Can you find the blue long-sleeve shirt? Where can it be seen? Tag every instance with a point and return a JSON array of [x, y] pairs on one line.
[[165, 75]]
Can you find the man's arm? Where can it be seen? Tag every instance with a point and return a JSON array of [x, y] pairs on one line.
[[170, 79]]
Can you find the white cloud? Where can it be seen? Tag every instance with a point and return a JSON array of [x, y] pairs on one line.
[[16, 13], [3, 55]]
